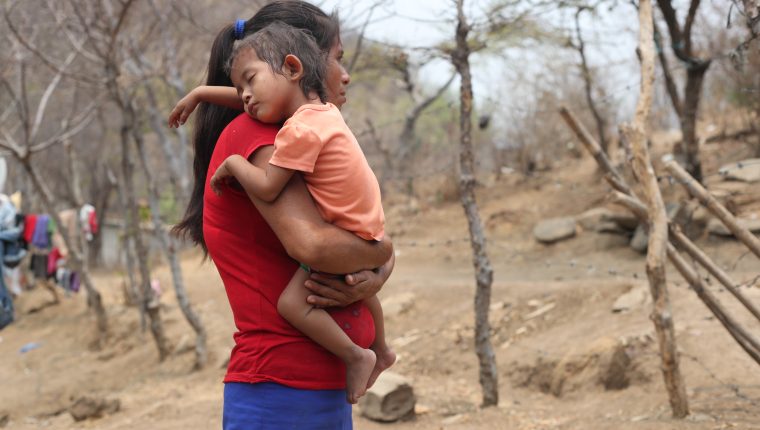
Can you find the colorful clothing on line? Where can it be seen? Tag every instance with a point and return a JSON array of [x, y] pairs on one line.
[[40, 237]]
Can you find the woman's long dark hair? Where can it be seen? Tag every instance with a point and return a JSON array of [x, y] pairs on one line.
[[211, 120]]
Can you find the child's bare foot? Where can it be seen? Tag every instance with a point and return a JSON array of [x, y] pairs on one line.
[[385, 359], [358, 371]]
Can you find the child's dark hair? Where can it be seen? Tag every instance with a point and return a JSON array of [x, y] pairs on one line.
[[276, 41], [210, 119]]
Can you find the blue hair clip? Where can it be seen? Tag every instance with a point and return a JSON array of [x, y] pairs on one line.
[[239, 28]]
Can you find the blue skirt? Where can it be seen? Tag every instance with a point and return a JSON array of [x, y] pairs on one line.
[[270, 406]]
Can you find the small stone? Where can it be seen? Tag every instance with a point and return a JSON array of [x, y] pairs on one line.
[[90, 407], [390, 399], [554, 230], [716, 226], [452, 419], [744, 171], [633, 299], [640, 240]]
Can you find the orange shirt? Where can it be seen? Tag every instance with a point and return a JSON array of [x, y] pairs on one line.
[[317, 142]]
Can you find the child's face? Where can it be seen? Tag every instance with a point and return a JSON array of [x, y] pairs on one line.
[[266, 96]]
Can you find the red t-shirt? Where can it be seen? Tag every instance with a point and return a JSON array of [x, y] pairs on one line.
[[255, 270]]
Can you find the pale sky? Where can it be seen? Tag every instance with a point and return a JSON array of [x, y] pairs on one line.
[[611, 41]]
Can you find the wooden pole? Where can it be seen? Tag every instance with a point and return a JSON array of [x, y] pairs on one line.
[[636, 133], [592, 146], [717, 209], [697, 254], [744, 339]]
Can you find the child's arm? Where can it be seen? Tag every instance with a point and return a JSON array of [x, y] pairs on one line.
[[265, 184], [219, 95]]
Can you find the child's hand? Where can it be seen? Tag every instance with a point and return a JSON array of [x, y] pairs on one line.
[[183, 109], [219, 178]]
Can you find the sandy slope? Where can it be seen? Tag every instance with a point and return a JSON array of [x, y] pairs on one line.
[[581, 277]]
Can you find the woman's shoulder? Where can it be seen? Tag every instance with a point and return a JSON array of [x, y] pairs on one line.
[[245, 133], [244, 126]]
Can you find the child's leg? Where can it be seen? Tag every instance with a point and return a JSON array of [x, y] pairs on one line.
[[322, 329], [385, 356]]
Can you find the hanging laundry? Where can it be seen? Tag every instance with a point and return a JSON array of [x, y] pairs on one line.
[[93, 222], [29, 224], [52, 261], [40, 237], [74, 282], [38, 265], [86, 217], [16, 200]]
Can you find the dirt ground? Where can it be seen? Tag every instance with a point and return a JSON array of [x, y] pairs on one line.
[[565, 360]]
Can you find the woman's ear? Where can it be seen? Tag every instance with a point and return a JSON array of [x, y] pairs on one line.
[[293, 67]]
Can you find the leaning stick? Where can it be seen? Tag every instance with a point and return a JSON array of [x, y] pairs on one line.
[[744, 339], [747, 342], [625, 194], [720, 211], [683, 242], [690, 248], [593, 147]]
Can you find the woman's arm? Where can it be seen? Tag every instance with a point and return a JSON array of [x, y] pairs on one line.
[[308, 238], [330, 291]]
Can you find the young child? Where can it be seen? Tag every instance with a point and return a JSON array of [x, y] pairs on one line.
[[278, 73]]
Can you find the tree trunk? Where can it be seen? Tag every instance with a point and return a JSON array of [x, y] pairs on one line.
[[150, 300], [134, 293], [169, 248], [76, 261], [601, 124], [670, 83], [483, 270], [636, 134], [694, 77]]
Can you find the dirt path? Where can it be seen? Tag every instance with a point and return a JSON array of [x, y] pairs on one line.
[[551, 363]]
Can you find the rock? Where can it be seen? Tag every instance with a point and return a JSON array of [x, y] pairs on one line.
[[744, 171], [540, 311], [399, 304], [692, 217], [603, 220], [4, 419], [716, 226], [640, 240], [555, 229], [390, 399], [634, 298], [591, 218], [624, 219], [89, 407]]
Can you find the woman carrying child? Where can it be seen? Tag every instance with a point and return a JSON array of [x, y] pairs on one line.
[[278, 377]]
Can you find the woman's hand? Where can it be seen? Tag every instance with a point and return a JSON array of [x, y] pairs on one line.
[[183, 109], [330, 291]]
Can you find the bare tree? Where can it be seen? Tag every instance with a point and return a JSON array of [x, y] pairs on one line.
[[26, 137], [460, 57], [169, 247], [636, 134], [409, 144], [696, 68], [99, 27], [588, 81]]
